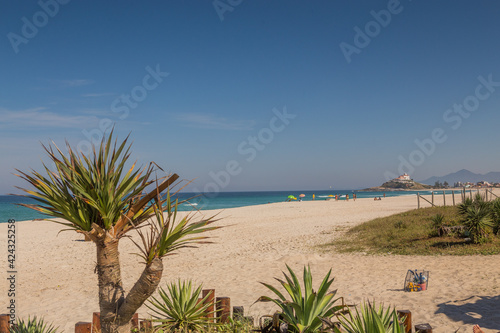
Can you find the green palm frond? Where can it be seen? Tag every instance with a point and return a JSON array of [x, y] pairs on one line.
[[88, 189], [99, 188], [166, 235]]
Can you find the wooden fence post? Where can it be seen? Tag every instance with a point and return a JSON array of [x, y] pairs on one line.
[[433, 198], [209, 300], [423, 328], [135, 321], [83, 327], [406, 314], [453, 197], [96, 322], [4, 323], [238, 313], [444, 198], [146, 325], [418, 200], [223, 309]]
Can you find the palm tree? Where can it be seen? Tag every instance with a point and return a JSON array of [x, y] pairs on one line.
[[97, 196]]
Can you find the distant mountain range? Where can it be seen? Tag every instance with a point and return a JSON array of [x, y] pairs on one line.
[[464, 176]]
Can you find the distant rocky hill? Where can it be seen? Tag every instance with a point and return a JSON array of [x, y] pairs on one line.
[[393, 185], [464, 176]]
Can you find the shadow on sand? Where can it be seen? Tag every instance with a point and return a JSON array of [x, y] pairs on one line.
[[481, 310]]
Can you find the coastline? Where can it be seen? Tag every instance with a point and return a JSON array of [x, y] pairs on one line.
[[57, 280]]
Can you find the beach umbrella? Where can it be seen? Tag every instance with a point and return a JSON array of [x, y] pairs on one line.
[[291, 197], [302, 195]]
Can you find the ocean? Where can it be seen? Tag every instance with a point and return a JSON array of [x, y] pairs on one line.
[[223, 200]]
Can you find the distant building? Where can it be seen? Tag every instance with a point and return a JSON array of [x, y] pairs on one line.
[[403, 178]]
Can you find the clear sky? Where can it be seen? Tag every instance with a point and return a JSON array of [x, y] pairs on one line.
[[256, 95]]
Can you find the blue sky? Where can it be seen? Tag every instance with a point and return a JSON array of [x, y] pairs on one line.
[[256, 95]]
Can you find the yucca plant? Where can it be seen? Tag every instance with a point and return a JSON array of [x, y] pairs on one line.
[[303, 312], [180, 308], [462, 208], [478, 217], [371, 320], [33, 325], [495, 215], [478, 221], [437, 222], [97, 196]]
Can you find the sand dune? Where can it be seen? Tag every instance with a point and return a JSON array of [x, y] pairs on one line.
[[56, 271]]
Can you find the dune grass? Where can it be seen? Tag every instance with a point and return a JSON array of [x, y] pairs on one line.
[[410, 233]]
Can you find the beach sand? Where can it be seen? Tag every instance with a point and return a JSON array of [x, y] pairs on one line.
[[56, 276]]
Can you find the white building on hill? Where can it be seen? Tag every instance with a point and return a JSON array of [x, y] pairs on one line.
[[403, 178]]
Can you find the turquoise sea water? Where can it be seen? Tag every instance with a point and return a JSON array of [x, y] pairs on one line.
[[223, 200]]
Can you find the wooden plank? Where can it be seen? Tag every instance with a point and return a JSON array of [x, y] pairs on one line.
[[134, 322], [96, 322], [223, 309], [4, 323], [406, 314], [238, 313], [146, 326], [423, 328], [83, 327], [427, 201], [209, 300]]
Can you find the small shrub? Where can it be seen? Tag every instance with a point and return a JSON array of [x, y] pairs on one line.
[[400, 225], [437, 221], [179, 310], [304, 311], [371, 319], [477, 217], [35, 325]]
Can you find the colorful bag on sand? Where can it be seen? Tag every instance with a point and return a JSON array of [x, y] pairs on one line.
[[416, 281]]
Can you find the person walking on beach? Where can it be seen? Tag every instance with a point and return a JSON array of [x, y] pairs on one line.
[[347, 197], [354, 196]]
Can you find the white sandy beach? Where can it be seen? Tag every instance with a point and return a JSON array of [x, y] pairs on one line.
[[56, 277]]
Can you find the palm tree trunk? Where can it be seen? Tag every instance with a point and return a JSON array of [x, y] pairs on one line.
[[111, 294], [143, 288], [116, 310]]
